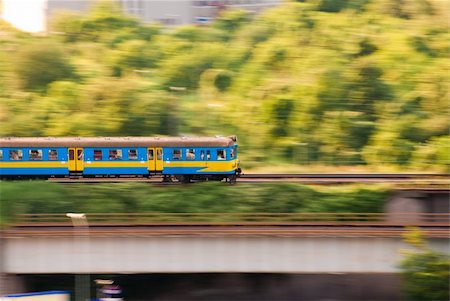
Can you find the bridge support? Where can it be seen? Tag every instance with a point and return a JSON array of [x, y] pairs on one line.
[[9, 283]]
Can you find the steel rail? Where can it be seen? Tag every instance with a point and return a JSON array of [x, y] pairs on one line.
[[428, 179], [239, 219], [232, 224], [223, 231], [348, 175]]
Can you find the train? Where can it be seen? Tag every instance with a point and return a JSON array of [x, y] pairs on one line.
[[185, 159]]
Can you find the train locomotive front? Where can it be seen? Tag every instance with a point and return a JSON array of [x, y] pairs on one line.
[[183, 158]]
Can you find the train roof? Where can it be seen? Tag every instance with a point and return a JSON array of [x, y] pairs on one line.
[[117, 141]]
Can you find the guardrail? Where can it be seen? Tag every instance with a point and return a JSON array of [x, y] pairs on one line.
[[214, 219]]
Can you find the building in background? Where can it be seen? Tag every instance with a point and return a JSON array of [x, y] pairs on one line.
[[25, 15], [35, 15]]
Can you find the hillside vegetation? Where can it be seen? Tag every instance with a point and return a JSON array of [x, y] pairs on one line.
[[309, 82], [44, 197]]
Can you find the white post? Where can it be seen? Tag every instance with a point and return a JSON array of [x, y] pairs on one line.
[[80, 230]]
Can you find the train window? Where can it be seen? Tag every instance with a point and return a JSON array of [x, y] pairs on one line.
[[208, 155], [150, 154], [190, 154], [35, 154], [158, 154], [53, 154], [132, 154], [97, 154], [16, 154], [221, 154], [177, 154], [115, 154], [1, 154], [202, 155], [232, 153]]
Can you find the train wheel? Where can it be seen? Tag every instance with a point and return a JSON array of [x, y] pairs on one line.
[[232, 179], [167, 178], [183, 178], [187, 179]]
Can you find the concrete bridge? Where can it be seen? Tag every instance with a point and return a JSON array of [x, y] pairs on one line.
[[128, 253], [134, 253], [213, 250]]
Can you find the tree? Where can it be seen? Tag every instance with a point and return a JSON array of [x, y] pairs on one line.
[[135, 54], [231, 20], [39, 64], [105, 18], [425, 272]]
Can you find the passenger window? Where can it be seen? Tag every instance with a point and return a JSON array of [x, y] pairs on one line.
[[202, 155], [150, 154], [221, 154], [1, 154], [35, 154], [158, 154], [115, 154], [97, 154], [232, 153], [190, 154], [177, 154], [132, 154], [16, 154], [208, 155], [53, 154]]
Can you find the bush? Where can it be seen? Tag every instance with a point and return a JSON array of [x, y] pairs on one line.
[[43, 197], [426, 272], [40, 64]]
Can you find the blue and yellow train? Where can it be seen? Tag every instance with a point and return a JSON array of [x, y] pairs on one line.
[[185, 158]]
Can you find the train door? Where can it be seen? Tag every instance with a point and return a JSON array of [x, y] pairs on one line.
[[159, 159], [151, 159], [75, 159], [154, 156]]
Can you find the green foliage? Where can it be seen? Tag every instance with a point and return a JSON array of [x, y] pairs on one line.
[[281, 113], [366, 48], [231, 20], [39, 64], [388, 148], [185, 70], [199, 34], [43, 197], [104, 18], [105, 22], [408, 9], [319, 81], [223, 80], [136, 54], [426, 273], [434, 154], [332, 5]]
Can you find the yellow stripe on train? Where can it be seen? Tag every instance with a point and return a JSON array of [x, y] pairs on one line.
[[88, 164], [205, 166], [28, 164]]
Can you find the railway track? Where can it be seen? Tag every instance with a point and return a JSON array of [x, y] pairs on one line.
[[431, 180], [243, 224], [221, 231]]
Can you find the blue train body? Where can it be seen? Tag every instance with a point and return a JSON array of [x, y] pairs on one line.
[[184, 158]]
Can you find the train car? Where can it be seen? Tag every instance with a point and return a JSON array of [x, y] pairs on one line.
[[185, 158]]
